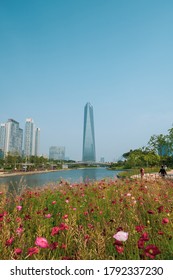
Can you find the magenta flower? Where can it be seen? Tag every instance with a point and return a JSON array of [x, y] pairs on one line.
[[9, 241], [165, 221], [141, 243], [145, 236], [63, 226], [17, 251], [41, 242], [119, 249], [19, 207], [55, 230], [151, 251], [48, 216], [140, 228], [33, 251], [160, 209], [65, 217], [53, 245], [150, 212], [121, 236], [19, 230]]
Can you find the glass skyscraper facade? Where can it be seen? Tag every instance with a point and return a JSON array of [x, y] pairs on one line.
[[89, 153]]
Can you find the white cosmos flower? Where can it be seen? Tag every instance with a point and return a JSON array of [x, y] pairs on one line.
[[121, 236]]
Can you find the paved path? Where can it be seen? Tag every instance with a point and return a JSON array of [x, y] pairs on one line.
[[154, 176]]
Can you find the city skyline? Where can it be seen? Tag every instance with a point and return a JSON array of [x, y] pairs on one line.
[[57, 55], [15, 140]]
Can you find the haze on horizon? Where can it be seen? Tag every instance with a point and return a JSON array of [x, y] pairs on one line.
[[58, 55]]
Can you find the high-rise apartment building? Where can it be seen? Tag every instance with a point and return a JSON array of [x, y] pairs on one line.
[[31, 139], [13, 138], [2, 136], [57, 153], [37, 142], [89, 153]]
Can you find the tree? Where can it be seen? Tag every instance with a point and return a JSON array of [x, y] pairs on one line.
[[159, 144]]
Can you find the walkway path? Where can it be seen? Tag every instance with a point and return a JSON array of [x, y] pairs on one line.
[[154, 175]]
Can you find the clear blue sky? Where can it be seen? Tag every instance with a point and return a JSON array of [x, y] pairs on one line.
[[57, 55]]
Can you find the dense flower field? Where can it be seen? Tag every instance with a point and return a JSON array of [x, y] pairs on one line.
[[104, 220]]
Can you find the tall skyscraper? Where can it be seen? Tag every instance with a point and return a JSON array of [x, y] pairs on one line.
[[32, 137], [89, 154], [13, 138]]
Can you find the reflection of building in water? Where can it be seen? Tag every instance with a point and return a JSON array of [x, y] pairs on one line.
[[57, 153], [89, 174], [89, 153]]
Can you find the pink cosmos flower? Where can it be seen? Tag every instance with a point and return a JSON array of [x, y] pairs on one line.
[[63, 226], [48, 216], [165, 221], [86, 237], [53, 245], [1, 217], [65, 217], [140, 228], [150, 212], [63, 246], [141, 243], [160, 232], [55, 230], [32, 251], [160, 209], [41, 242], [119, 249], [121, 236], [19, 207], [145, 236], [17, 251], [19, 230], [9, 241], [151, 251]]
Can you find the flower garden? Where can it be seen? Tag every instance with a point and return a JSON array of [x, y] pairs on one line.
[[128, 219]]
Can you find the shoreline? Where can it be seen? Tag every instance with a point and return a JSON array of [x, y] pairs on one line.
[[24, 173]]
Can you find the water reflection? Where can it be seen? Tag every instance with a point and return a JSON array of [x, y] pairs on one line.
[[89, 174], [16, 183]]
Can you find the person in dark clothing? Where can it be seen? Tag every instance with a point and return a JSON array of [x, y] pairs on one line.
[[162, 171], [142, 172]]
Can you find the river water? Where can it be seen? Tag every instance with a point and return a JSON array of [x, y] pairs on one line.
[[74, 175]]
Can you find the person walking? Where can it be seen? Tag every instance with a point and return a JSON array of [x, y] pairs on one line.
[[162, 171], [142, 172]]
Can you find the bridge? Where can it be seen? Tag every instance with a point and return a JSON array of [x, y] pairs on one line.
[[88, 163]]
